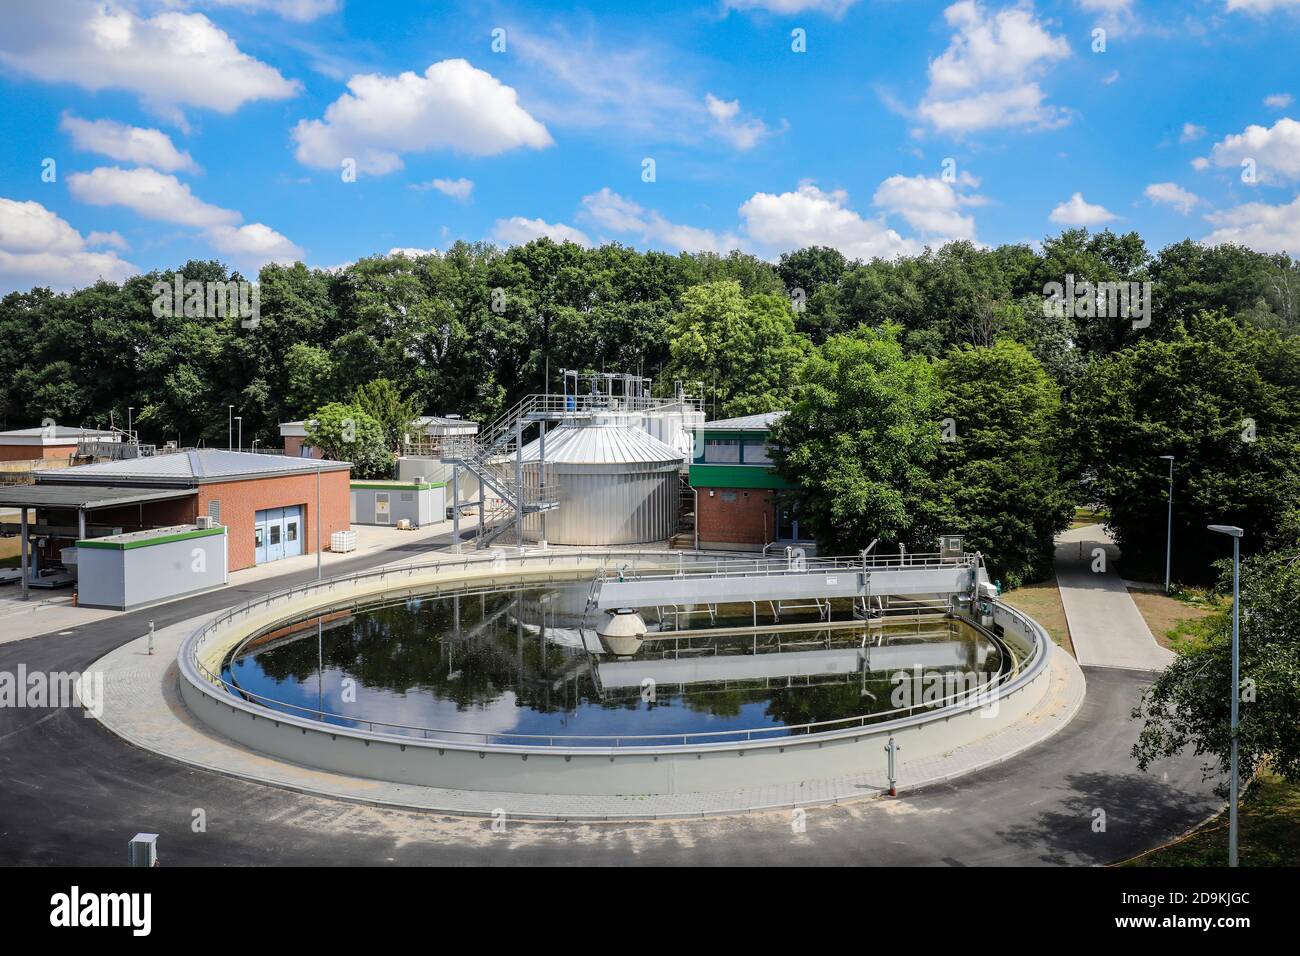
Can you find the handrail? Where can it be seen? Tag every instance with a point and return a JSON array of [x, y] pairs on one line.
[[201, 635]]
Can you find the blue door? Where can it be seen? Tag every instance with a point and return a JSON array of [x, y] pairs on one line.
[[293, 531], [278, 533]]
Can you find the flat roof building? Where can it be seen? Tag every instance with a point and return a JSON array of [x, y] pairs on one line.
[[48, 442]]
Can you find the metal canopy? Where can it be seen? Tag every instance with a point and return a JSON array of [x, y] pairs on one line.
[[84, 497]]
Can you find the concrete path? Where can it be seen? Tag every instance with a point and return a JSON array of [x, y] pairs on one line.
[[1106, 626]]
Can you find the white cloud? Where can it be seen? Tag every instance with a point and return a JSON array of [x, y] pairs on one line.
[[1076, 212], [810, 217], [1258, 225], [301, 11], [452, 106], [1262, 6], [411, 252], [38, 248], [170, 60], [930, 206], [987, 76], [834, 8], [517, 230], [255, 244], [618, 214], [130, 144], [1171, 194], [150, 193], [1275, 150], [113, 239], [1191, 133], [458, 189], [743, 132], [1278, 101]]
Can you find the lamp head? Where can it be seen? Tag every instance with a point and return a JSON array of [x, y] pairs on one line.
[[1230, 529]]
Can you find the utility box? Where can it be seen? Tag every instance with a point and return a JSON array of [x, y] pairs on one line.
[[341, 542], [951, 545], [390, 502], [143, 850], [122, 572]]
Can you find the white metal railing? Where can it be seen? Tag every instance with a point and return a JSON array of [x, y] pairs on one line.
[[191, 657], [792, 565]]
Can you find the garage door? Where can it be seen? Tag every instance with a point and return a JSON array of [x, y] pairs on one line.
[[277, 533]]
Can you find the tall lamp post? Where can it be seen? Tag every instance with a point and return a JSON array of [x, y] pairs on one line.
[[240, 419], [230, 428], [1169, 524], [129, 434], [320, 545], [1236, 534]]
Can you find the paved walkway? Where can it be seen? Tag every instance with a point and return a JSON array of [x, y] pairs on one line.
[[143, 706], [1106, 626]]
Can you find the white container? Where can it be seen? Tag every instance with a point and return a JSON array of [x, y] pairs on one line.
[[342, 542]]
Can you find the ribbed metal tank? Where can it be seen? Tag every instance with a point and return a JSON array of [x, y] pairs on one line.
[[616, 484]]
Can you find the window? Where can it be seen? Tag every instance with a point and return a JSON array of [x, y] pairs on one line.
[[722, 450], [756, 452], [257, 537], [306, 451], [275, 534], [291, 531], [214, 510], [729, 496]]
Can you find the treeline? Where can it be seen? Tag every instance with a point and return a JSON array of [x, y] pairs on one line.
[[928, 394]]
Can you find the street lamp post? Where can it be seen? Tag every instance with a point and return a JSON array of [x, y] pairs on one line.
[[129, 434], [1169, 524], [1236, 534], [319, 543], [240, 419], [230, 427]]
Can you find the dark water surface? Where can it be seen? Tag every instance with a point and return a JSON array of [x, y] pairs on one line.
[[514, 662]]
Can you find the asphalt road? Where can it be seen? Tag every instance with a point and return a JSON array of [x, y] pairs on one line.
[[72, 793]]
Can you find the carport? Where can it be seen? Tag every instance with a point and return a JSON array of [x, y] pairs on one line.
[[84, 499]]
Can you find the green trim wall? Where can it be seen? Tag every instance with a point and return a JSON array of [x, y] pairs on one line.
[[736, 476], [149, 542], [397, 486]]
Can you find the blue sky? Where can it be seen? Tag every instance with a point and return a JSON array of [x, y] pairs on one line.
[[140, 133]]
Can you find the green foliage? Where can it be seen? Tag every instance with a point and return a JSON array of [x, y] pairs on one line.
[[1221, 398], [347, 433], [382, 401], [1189, 702], [1003, 481], [860, 439], [742, 350]]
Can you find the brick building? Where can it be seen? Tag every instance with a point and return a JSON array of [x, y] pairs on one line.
[[738, 501], [49, 443], [267, 503]]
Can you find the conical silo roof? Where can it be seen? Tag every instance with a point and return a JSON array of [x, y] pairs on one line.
[[602, 443]]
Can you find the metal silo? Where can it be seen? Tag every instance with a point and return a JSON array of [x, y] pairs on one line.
[[616, 483]]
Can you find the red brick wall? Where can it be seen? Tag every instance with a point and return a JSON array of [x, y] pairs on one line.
[[241, 500], [747, 521], [293, 447], [34, 452]]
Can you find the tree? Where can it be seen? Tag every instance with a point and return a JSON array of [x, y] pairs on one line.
[[346, 433], [1220, 397], [1189, 703], [382, 401], [744, 351], [1002, 478], [860, 442]]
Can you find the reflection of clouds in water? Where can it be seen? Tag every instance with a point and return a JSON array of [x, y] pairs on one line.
[[420, 708]]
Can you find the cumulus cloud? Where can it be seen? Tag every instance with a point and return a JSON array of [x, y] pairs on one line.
[[38, 248], [254, 243], [1171, 194], [1262, 6], [1275, 150], [458, 189], [615, 213], [809, 216], [741, 131], [517, 230], [300, 11], [1260, 226], [452, 105], [987, 77], [170, 60], [834, 8], [163, 197], [129, 144], [1278, 101], [1191, 133], [930, 205], [149, 193], [1076, 212]]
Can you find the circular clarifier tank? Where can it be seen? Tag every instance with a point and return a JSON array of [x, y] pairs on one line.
[[530, 667]]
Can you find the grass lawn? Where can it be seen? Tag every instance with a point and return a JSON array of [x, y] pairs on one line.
[[1086, 516], [1172, 617], [1270, 832], [1042, 602]]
